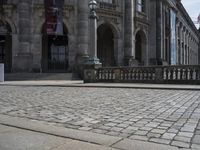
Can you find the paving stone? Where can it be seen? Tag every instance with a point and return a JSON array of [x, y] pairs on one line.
[[99, 131], [85, 128], [173, 131], [181, 144], [188, 129], [183, 139], [153, 135], [146, 128], [159, 140], [159, 131], [169, 136], [195, 146], [152, 124], [139, 132], [123, 125], [186, 134], [117, 129], [138, 137], [111, 124], [196, 139]]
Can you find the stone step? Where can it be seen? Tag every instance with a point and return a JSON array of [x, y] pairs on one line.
[[40, 76]]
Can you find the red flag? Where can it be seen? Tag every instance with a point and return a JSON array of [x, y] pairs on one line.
[[53, 14]]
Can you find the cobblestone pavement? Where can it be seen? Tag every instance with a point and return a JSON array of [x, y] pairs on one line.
[[160, 116]]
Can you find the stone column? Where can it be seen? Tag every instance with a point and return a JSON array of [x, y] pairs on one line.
[[24, 57], [159, 32], [129, 37], [83, 31]]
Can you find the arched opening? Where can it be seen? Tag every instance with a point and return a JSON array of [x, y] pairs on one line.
[[6, 46], [55, 52], [105, 45], [140, 47]]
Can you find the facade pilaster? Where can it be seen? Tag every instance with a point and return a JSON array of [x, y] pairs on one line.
[[129, 37], [23, 57], [83, 29], [159, 31]]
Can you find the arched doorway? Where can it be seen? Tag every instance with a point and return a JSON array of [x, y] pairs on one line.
[[140, 47], [6, 46], [105, 45], [55, 52]]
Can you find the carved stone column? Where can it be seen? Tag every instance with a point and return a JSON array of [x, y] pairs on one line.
[[129, 42], [24, 57], [83, 30], [159, 32]]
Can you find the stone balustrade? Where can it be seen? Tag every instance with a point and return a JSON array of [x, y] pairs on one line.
[[185, 74]]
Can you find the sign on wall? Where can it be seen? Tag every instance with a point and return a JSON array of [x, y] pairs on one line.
[[53, 17]]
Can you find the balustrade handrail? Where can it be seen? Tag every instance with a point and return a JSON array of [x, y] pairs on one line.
[[149, 74]]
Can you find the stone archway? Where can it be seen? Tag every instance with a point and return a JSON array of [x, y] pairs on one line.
[[140, 47], [105, 45], [6, 45], [55, 52]]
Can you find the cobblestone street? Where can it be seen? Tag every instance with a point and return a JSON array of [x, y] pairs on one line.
[[170, 117]]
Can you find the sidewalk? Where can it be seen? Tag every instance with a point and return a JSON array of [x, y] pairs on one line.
[[23, 134], [80, 83], [12, 138]]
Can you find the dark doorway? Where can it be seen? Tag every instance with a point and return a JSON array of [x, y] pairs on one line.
[[6, 46], [105, 45], [140, 47], [55, 53]]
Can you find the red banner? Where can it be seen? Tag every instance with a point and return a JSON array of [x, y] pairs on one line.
[[53, 17]]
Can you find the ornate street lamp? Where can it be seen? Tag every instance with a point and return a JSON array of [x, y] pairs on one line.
[[93, 60]]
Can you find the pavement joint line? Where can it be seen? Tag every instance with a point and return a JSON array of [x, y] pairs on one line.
[[107, 86], [53, 133]]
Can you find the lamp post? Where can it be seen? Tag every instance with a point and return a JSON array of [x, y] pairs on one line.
[[93, 60]]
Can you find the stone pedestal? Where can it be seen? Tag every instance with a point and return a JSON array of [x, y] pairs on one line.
[[1, 72], [90, 70]]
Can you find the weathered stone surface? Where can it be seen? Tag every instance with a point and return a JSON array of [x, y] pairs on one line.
[[110, 112]]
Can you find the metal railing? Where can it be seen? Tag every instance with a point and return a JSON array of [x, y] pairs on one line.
[[189, 74]]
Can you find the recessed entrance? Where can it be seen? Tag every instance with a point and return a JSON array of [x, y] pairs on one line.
[[105, 45], [6, 46], [55, 52], [140, 47]]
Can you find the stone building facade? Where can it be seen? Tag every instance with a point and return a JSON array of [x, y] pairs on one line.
[[130, 32]]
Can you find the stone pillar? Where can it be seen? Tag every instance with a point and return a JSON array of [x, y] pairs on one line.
[[159, 32], [181, 42], [129, 37], [24, 57], [83, 31]]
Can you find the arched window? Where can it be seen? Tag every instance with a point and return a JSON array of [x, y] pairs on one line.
[[140, 5]]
